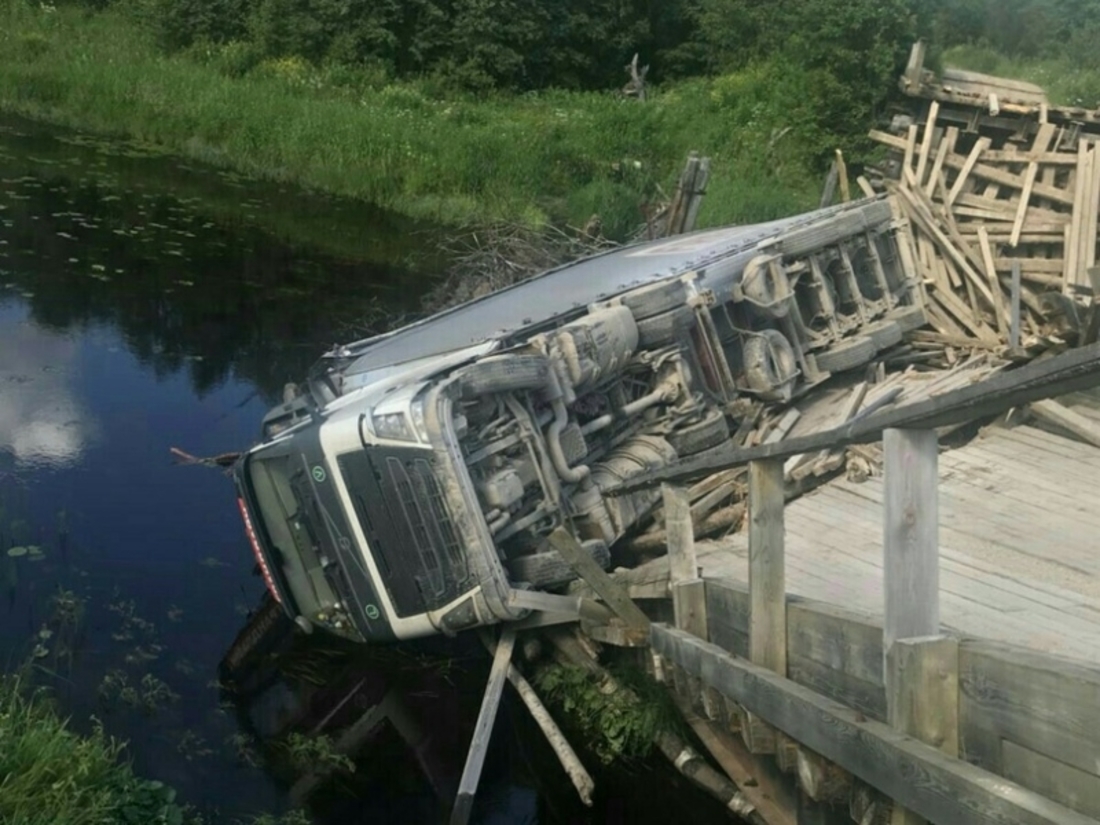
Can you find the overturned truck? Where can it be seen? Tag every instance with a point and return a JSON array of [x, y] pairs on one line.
[[411, 484]]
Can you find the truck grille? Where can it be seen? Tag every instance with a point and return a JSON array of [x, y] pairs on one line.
[[411, 535]]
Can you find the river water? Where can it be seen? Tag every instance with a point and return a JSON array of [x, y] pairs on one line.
[[148, 303]]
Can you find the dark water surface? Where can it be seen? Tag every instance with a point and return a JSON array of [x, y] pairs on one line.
[[146, 303]]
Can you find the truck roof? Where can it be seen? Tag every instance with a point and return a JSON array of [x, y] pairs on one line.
[[567, 288]]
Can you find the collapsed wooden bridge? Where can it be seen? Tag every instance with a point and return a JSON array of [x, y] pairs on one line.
[[907, 629]]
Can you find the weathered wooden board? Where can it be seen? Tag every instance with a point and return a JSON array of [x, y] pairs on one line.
[[1049, 708]]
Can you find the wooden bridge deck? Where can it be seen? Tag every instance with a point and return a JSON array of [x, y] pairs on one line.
[[1019, 544]]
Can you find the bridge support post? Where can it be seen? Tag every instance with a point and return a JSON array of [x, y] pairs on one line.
[[921, 667], [767, 585]]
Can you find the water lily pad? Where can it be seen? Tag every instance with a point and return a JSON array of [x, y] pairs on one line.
[[41, 651], [45, 634], [35, 550], [16, 552]]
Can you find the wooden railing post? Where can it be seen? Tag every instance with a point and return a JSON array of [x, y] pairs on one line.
[[921, 667], [911, 535], [767, 587], [689, 601]]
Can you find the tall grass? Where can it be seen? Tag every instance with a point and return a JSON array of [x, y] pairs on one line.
[[51, 775], [1068, 82], [552, 156]]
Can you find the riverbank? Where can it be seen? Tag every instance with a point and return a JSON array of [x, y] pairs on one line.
[[558, 156], [52, 774]]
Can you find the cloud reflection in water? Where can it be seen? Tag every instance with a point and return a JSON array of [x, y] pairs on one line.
[[42, 422]]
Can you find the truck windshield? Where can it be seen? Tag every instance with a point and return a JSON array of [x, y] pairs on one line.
[[284, 497]]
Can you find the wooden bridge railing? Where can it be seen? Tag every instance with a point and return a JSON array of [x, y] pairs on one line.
[[911, 754]]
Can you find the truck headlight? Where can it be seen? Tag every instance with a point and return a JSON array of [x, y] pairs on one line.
[[394, 426]]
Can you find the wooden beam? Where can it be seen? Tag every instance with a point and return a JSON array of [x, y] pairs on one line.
[[688, 594], [923, 779], [597, 578], [1071, 371], [767, 587], [483, 729], [768, 796]]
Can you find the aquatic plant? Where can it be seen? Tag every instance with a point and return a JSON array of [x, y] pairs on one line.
[[315, 753]]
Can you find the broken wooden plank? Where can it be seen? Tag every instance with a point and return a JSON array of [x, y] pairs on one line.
[[1000, 311], [887, 139], [946, 145], [1014, 329], [1083, 427], [1013, 181], [967, 167], [483, 729], [926, 141], [606, 588], [910, 149], [1093, 214], [1042, 142], [1073, 244], [567, 757], [842, 177]]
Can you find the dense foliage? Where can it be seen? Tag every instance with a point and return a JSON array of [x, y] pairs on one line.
[[1024, 28], [852, 47]]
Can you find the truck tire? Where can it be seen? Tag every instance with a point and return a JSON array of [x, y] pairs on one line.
[[909, 318], [505, 373], [702, 435], [846, 355], [769, 361], [647, 301], [885, 333], [547, 569], [664, 328]]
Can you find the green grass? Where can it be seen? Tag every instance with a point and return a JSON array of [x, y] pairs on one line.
[[1068, 82], [552, 156], [49, 774]]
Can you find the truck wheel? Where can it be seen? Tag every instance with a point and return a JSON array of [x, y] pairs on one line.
[[884, 333], [647, 301], [909, 318], [694, 438], [769, 361], [505, 373], [548, 568], [846, 355], [664, 328]]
